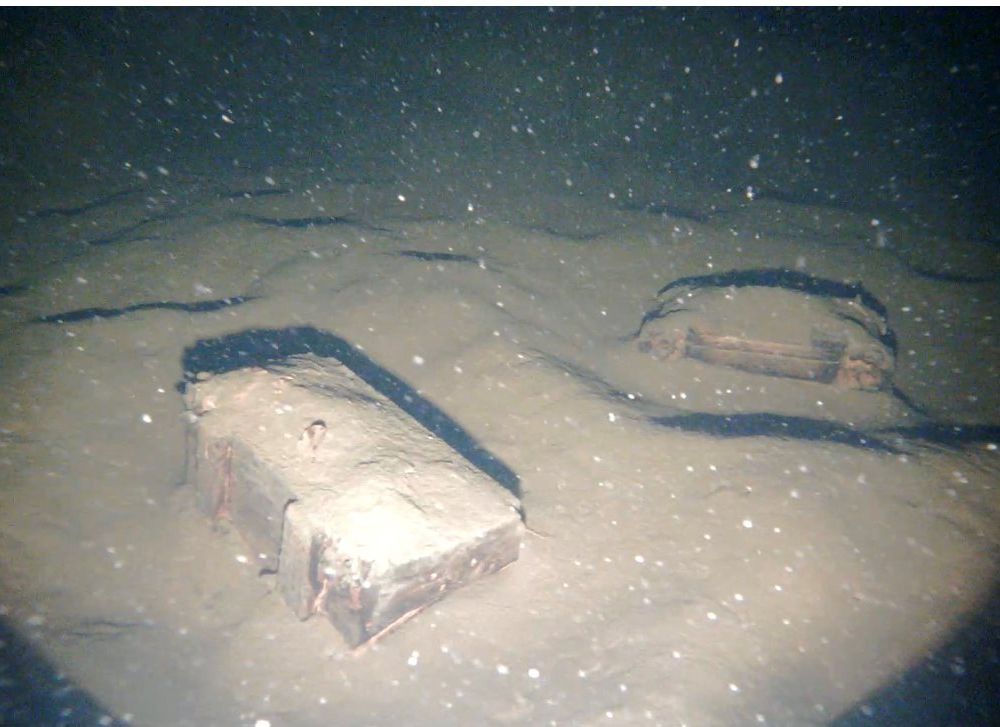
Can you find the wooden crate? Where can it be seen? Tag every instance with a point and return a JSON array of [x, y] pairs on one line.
[[772, 331], [364, 515]]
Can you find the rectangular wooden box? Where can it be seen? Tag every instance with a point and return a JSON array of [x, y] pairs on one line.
[[364, 515], [772, 331]]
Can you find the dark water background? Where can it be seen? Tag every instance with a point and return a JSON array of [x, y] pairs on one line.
[[876, 109]]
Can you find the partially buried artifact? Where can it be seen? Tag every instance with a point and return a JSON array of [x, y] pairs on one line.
[[365, 516], [772, 331]]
